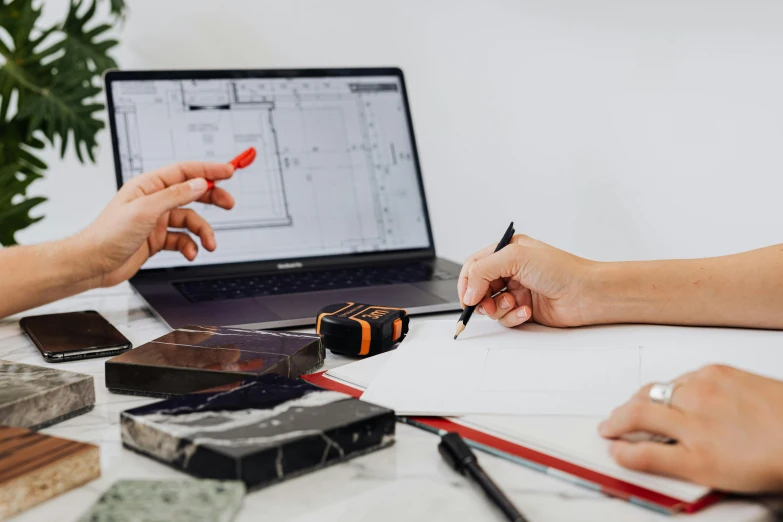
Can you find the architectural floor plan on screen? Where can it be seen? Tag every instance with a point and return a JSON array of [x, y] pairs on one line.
[[335, 164]]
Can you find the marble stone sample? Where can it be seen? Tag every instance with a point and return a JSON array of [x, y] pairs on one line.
[[35, 467], [196, 358], [168, 501], [261, 432], [36, 396]]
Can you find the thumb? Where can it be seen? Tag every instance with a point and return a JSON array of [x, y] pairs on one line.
[[176, 195], [508, 262]]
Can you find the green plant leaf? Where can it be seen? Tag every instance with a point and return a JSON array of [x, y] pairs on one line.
[[19, 167], [60, 112], [117, 8], [50, 76], [83, 46], [17, 217]]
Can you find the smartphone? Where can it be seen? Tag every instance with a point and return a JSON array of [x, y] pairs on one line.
[[74, 335]]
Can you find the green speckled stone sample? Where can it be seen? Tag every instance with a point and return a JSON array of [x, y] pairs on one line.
[[168, 501]]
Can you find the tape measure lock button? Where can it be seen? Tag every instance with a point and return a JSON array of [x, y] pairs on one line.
[[360, 329]]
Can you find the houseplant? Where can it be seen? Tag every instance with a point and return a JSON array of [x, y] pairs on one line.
[[49, 81]]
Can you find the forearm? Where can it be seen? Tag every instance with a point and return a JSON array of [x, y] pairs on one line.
[[34, 275], [743, 290]]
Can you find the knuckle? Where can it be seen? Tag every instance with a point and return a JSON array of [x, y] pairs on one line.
[[516, 255], [176, 190], [700, 393], [713, 372], [515, 250], [635, 412]]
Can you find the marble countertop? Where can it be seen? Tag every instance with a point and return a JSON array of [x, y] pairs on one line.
[[408, 481]]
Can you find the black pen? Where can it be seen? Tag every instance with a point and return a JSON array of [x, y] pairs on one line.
[[462, 322], [461, 458]]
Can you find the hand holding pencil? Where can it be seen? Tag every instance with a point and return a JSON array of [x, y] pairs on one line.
[[462, 322], [530, 280]]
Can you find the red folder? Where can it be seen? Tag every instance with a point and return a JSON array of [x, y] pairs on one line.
[[538, 461]]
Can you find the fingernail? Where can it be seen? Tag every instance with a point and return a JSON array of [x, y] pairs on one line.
[[197, 185], [504, 302], [468, 297], [521, 313], [602, 428], [481, 310]]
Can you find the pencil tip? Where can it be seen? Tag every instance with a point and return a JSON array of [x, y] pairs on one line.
[[455, 337], [460, 327]]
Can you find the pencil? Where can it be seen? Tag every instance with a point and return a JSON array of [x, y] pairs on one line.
[[462, 322]]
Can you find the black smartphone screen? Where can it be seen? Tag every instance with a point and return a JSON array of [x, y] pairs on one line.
[[74, 335]]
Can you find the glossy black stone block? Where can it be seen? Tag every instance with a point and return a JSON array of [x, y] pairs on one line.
[[260, 432], [196, 358]]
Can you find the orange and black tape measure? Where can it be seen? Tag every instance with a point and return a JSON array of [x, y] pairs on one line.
[[360, 329]]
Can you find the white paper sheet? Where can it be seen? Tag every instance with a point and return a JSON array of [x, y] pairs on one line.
[[574, 439], [535, 370], [362, 372]]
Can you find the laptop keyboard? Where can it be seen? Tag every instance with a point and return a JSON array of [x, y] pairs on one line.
[[292, 283]]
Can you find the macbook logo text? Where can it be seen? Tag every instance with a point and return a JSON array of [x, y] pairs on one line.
[[289, 266]]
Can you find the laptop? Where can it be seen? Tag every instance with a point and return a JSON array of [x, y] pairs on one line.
[[332, 210]]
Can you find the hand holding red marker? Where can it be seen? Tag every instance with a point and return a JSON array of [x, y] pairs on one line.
[[240, 162]]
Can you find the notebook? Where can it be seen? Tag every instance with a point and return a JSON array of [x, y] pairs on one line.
[[572, 438], [518, 439]]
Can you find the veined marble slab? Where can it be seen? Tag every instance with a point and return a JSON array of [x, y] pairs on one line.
[[168, 501], [35, 467], [261, 432], [36, 397]]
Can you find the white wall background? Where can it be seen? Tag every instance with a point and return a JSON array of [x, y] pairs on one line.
[[616, 129]]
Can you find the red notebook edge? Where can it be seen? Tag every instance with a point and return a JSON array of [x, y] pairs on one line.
[[538, 461]]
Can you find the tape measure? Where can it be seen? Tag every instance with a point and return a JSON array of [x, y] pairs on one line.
[[360, 329]]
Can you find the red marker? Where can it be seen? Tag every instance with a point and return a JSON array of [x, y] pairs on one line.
[[240, 162]]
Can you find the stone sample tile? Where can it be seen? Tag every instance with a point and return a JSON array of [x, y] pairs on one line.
[[36, 467], [38, 396], [168, 501], [196, 358], [260, 432]]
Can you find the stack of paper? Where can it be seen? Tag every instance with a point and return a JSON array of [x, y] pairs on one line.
[[547, 389]]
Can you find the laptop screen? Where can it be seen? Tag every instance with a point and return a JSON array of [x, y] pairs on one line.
[[335, 173]]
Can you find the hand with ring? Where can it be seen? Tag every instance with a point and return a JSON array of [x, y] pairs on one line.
[[727, 425]]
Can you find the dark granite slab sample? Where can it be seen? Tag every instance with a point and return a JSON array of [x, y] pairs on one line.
[[261, 432], [168, 501], [35, 467], [195, 358], [36, 396]]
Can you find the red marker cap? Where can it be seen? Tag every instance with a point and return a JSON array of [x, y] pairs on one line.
[[240, 162], [244, 159]]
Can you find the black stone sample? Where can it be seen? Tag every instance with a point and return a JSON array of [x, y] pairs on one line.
[[261, 432], [196, 358]]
